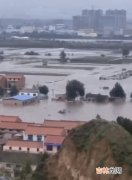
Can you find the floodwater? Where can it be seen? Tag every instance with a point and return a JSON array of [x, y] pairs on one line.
[[48, 109], [75, 111]]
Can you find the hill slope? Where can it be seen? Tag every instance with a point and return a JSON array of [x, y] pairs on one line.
[[96, 144]]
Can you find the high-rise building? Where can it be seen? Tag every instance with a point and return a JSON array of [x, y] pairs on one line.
[[111, 20], [90, 19], [115, 19]]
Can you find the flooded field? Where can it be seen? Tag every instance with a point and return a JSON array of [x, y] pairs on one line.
[[79, 111]]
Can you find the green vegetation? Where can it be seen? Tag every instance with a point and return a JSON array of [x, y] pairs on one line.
[[74, 89], [19, 157], [119, 140], [117, 91], [41, 172], [25, 173], [125, 123]]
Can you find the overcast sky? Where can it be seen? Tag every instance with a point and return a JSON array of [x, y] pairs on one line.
[[56, 8]]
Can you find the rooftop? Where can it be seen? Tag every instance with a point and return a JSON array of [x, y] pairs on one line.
[[41, 130], [13, 125], [27, 144], [21, 97], [10, 118], [14, 76], [58, 140], [63, 123], [29, 91], [10, 125]]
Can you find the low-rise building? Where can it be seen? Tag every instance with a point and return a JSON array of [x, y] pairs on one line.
[[37, 138], [66, 124], [96, 98], [20, 100], [15, 80], [24, 146], [53, 143], [29, 92], [38, 133], [2, 81]]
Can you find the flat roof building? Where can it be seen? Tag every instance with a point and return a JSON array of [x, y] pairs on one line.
[[20, 100]]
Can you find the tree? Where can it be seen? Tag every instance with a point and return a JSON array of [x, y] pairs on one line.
[[26, 171], [43, 90], [1, 91], [125, 52], [41, 172], [13, 91], [63, 57], [125, 123], [74, 89], [117, 91]]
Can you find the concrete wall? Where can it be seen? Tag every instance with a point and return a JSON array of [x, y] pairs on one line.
[[13, 102], [23, 149], [2, 82], [18, 82]]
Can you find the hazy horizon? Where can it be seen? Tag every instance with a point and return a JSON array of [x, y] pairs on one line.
[[49, 9]]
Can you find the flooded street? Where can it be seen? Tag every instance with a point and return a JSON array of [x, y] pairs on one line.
[[48, 109]]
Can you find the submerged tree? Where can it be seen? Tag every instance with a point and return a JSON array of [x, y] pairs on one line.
[[44, 90], [74, 89], [125, 52], [63, 57], [117, 91]]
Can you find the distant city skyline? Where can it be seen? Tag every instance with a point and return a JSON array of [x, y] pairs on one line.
[[49, 9]]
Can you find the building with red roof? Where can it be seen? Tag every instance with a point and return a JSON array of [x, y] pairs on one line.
[[53, 143], [10, 118], [37, 138], [24, 146]]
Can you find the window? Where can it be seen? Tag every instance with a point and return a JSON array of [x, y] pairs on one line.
[[37, 149], [34, 94], [20, 148], [39, 138], [49, 148], [10, 148], [30, 137]]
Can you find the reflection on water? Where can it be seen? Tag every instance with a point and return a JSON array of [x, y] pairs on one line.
[[74, 111]]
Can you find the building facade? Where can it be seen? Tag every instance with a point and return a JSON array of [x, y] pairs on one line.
[[15, 80], [2, 81]]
